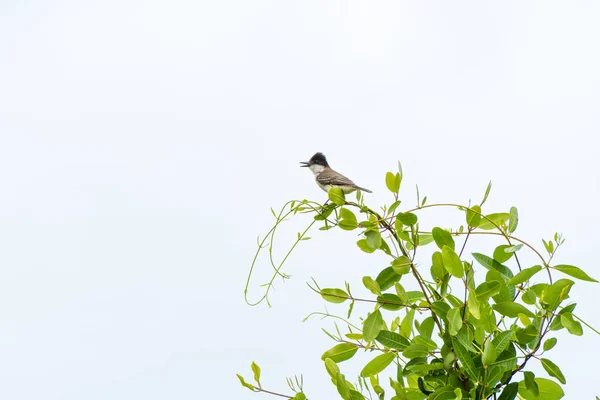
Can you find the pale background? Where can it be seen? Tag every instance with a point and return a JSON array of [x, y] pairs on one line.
[[143, 142]]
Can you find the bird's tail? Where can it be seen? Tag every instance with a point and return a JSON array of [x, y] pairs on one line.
[[364, 190]]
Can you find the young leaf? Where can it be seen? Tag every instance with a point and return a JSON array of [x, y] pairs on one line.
[[244, 383], [340, 352], [474, 216], [372, 285], [514, 220], [554, 294], [334, 295], [487, 192], [377, 364], [574, 327], [372, 325], [574, 272], [348, 220], [553, 370], [256, 371], [336, 195]]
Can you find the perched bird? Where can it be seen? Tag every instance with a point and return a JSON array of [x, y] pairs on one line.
[[326, 177]]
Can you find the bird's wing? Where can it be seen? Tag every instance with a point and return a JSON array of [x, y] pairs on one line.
[[334, 178]]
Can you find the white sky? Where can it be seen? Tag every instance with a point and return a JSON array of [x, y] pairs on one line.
[[142, 144]]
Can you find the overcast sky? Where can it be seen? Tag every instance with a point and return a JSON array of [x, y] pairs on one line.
[[143, 142]]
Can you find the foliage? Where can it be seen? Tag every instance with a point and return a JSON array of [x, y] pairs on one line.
[[455, 337]]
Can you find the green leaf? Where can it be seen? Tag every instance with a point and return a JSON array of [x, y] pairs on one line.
[[426, 327], [474, 216], [373, 239], [492, 264], [424, 239], [377, 364], [574, 272], [392, 181], [256, 371], [299, 396], [336, 195], [489, 353], [348, 220], [468, 366], [437, 266], [548, 390], [473, 305], [553, 370], [452, 262], [490, 221], [415, 350], [442, 237], [524, 275], [340, 352], [500, 254], [392, 340], [372, 325], [386, 278], [465, 338], [407, 322], [510, 391], [454, 321], [554, 294], [391, 302], [512, 309], [487, 290], [440, 309], [550, 343], [401, 265], [530, 383], [408, 219], [574, 327], [487, 192], [514, 220], [342, 386], [372, 285], [502, 340], [244, 383], [334, 295], [362, 244], [332, 368]]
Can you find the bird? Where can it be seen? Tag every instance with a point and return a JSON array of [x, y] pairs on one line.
[[327, 177]]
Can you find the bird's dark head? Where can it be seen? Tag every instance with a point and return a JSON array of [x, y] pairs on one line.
[[317, 159]]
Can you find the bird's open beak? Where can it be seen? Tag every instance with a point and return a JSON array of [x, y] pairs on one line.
[[304, 164]]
